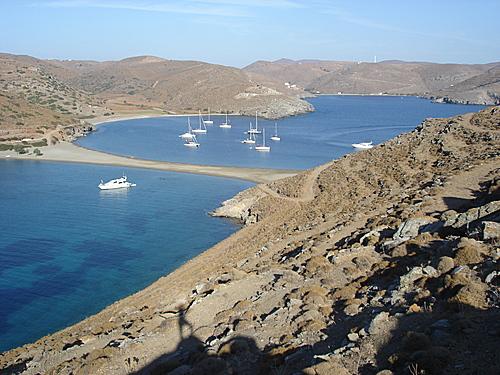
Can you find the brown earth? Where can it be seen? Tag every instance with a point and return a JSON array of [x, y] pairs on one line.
[[385, 261], [37, 96], [463, 83]]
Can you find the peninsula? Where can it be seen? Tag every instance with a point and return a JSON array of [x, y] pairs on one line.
[[384, 261]]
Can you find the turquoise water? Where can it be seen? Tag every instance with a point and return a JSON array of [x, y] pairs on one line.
[[67, 250], [307, 140]]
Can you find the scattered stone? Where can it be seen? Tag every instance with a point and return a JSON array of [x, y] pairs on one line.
[[490, 230], [445, 264], [491, 276], [378, 323], [410, 228], [353, 337]]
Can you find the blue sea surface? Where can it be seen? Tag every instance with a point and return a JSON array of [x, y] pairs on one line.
[[306, 140], [67, 250]]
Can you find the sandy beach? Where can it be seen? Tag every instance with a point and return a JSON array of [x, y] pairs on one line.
[[69, 152]]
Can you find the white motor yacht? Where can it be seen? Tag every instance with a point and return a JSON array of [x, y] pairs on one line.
[[363, 145], [118, 183]]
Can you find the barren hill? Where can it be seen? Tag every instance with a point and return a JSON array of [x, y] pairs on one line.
[[384, 260], [70, 91], [453, 82]]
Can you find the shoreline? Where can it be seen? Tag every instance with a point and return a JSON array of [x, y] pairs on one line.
[[219, 280], [67, 152]]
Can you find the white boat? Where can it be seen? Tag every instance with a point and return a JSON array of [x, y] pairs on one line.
[[226, 124], [363, 145], [192, 143], [118, 183], [208, 122], [189, 134], [250, 138], [256, 130], [275, 137], [202, 129], [263, 148]]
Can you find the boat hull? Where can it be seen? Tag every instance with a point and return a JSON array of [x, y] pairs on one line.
[[123, 186], [263, 148]]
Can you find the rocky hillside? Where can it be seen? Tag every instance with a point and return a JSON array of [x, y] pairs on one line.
[[445, 82], [33, 102], [38, 96], [384, 261]]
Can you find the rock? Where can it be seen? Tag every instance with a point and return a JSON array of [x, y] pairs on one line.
[[378, 323], [490, 230], [414, 308], [491, 276], [410, 228], [465, 219], [223, 279], [352, 307], [203, 289], [385, 372], [431, 271], [370, 238], [353, 337], [445, 264]]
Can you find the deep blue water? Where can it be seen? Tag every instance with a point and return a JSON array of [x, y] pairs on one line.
[[67, 250], [307, 140]]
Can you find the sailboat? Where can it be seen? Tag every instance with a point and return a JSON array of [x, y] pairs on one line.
[[208, 122], [226, 124], [189, 134], [256, 130], [251, 136], [193, 142], [263, 148], [202, 129], [275, 136]]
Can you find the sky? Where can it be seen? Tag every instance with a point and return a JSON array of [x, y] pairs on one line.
[[239, 32]]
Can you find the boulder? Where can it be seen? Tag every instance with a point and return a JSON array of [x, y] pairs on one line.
[[410, 228], [468, 218], [490, 230]]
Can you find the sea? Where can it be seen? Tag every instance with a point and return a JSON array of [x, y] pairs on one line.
[[67, 249]]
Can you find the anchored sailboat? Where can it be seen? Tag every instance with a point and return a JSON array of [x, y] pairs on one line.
[[193, 142], [275, 137], [251, 136], [208, 122], [202, 129], [189, 134], [263, 147], [256, 130], [226, 124]]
